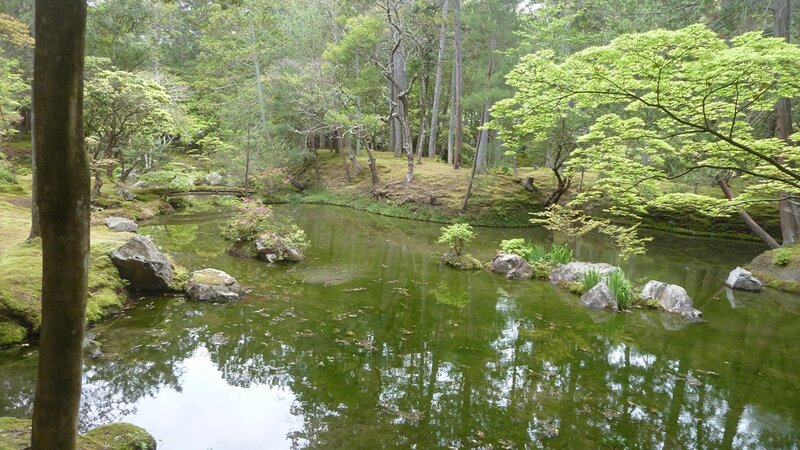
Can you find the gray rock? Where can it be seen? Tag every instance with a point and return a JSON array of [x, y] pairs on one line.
[[139, 184], [672, 299], [274, 248], [121, 224], [742, 280], [511, 266], [573, 272], [141, 263], [125, 193], [600, 297], [214, 179], [212, 285]]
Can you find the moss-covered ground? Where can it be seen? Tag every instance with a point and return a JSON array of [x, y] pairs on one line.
[[779, 269], [498, 199], [20, 271], [15, 434]]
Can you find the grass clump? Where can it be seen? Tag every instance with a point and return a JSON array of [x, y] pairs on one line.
[[590, 280], [781, 257], [622, 289], [534, 253]]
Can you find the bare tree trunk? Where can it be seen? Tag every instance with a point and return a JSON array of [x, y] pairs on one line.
[[63, 196], [373, 167], [423, 106], [351, 156], [35, 230], [457, 112], [452, 129], [338, 137], [789, 210], [437, 90], [754, 227], [262, 101], [482, 147], [399, 83]]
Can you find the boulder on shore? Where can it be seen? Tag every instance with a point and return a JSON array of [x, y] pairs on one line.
[[461, 262], [742, 280], [572, 273], [212, 285], [141, 263], [600, 297], [16, 434], [672, 299], [121, 224], [511, 266]]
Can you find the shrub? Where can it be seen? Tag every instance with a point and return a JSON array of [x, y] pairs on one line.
[[560, 254], [252, 219], [457, 236], [590, 280], [621, 288], [781, 257], [8, 181], [518, 247], [538, 253]]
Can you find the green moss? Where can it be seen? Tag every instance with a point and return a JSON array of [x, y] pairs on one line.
[[461, 262], [118, 436], [15, 434], [784, 277], [11, 333], [180, 276]]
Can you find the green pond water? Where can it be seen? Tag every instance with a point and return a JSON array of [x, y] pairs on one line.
[[370, 343]]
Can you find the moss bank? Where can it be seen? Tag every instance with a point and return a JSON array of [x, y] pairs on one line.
[[779, 268], [15, 434]]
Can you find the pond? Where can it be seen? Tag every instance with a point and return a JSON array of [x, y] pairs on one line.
[[371, 343]]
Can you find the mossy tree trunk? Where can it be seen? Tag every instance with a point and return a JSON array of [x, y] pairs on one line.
[[62, 183]]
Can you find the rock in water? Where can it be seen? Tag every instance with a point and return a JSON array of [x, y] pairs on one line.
[[212, 285], [600, 297], [673, 299], [274, 248], [121, 224], [511, 266], [567, 274], [141, 263], [743, 280], [461, 262]]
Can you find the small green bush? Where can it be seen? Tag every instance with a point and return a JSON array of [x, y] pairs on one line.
[[252, 219], [457, 236], [538, 253], [590, 280], [517, 247], [781, 257], [560, 254], [620, 286]]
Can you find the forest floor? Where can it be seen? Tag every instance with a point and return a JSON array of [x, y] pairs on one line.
[[498, 199], [21, 270]]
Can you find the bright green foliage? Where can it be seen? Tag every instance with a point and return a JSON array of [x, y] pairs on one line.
[[781, 257], [663, 104], [173, 176], [621, 287], [457, 236], [590, 279], [574, 224], [518, 247], [13, 89], [560, 254], [125, 114]]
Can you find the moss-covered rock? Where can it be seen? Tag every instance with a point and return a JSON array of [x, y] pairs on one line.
[[11, 332], [779, 268], [15, 434], [461, 262], [117, 436]]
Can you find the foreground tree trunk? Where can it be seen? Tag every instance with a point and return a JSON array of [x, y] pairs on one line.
[[62, 183]]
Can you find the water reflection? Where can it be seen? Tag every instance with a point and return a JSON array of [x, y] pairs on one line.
[[372, 344]]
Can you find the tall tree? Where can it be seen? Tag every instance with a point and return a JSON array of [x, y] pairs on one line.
[[458, 89], [790, 204], [63, 199], [437, 90]]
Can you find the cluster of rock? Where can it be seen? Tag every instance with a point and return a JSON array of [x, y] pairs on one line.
[[269, 247], [147, 269], [670, 298]]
